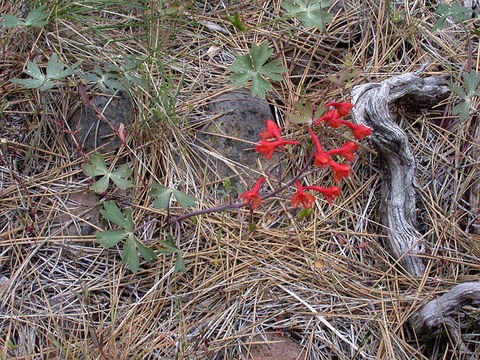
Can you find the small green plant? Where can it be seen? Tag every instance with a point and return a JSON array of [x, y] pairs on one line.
[[106, 81], [254, 67], [471, 81], [97, 167], [236, 21], [163, 194], [56, 72], [457, 12], [311, 12], [35, 18], [111, 238], [169, 247]]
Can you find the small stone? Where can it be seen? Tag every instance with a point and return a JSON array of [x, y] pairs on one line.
[[236, 115], [94, 132]]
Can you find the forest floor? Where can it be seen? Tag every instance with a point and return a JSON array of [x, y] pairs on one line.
[[321, 285]]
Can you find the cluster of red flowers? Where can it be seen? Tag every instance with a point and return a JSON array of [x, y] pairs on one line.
[[332, 118]]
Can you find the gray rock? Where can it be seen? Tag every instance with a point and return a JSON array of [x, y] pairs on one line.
[[236, 115], [94, 132]]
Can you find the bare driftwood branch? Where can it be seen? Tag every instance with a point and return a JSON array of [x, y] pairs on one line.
[[398, 191], [429, 320], [398, 188]]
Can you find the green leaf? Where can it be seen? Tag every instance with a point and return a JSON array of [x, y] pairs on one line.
[[97, 167], [11, 21], [129, 254], [120, 175], [37, 17], [457, 12], [309, 12], [162, 195], [304, 213], [112, 213], [147, 253], [101, 185], [462, 110], [236, 21], [168, 247], [179, 263], [110, 238], [252, 67], [28, 83], [56, 70], [471, 80]]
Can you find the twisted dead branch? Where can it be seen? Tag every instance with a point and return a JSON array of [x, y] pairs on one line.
[[398, 191]]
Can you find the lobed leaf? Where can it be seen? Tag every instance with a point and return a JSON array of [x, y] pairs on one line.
[[110, 238], [129, 254]]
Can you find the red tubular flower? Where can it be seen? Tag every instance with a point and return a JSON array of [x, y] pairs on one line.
[[339, 170], [272, 132], [342, 108], [346, 151], [358, 131], [330, 193], [331, 117], [302, 198], [321, 157], [267, 148], [252, 196]]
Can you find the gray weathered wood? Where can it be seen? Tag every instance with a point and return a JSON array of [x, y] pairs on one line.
[[398, 190], [398, 187]]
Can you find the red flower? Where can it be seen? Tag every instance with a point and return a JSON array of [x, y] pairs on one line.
[[252, 196], [321, 157], [331, 117], [342, 108], [272, 132], [330, 193], [358, 131], [267, 148], [302, 198], [346, 151], [339, 170]]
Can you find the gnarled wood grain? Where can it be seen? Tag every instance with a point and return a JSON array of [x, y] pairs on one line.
[[398, 191]]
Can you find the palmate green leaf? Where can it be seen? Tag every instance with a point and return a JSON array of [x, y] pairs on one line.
[[111, 238], [112, 213], [29, 83], [179, 263], [168, 247], [162, 195], [96, 167], [129, 254], [37, 17], [147, 253], [309, 12], [11, 21], [471, 80], [457, 12], [120, 175], [57, 70], [462, 110], [253, 67]]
